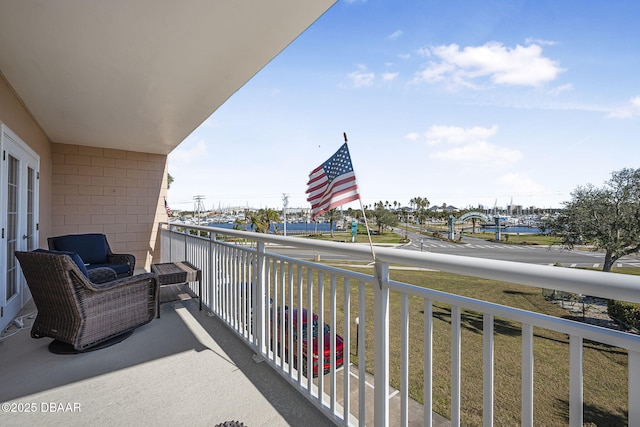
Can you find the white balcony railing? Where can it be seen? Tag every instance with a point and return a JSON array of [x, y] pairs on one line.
[[237, 274]]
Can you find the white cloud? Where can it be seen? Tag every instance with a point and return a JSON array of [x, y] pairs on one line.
[[458, 135], [559, 89], [541, 42], [522, 65], [481, 152], [362, 78], [387, 77], [424, 51], [413, 136], [469, 144], [395, 35], [629, 111]]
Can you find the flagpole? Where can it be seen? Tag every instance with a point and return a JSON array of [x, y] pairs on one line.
[[366, 223], [332, 184]]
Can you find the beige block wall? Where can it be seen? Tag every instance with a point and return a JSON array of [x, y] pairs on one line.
[[115, 192], [86, 189], [17, 118]]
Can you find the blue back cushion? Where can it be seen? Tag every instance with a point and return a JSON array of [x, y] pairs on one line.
[[74, 256], [92, 248]]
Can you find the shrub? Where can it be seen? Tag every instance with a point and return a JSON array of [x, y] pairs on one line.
[[626, 312]]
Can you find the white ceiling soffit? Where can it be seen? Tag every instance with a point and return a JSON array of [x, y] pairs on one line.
[[139, 75]]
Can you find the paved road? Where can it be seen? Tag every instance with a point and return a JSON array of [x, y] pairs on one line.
[[535, 254], [483, 249]]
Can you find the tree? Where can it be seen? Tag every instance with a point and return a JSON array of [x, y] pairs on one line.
[[238, 223], [607, 218], [260, 221], [384, 218], [255, 222], [421, 204], [332, 215], [268, 216]]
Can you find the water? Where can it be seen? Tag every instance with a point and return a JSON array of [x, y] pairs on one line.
[[324, 227], [296, 226], [513, 230]]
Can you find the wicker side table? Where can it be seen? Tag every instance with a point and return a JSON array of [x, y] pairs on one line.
[[172, 273]]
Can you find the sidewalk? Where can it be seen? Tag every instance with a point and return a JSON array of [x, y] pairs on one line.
[[415, 412]]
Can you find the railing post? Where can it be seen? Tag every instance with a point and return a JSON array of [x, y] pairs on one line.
[[212, 288], [381, 346], [527, 375], [576, 400], [456, 362], [258, 298], [186, 235], [487, 369], [634, 388]]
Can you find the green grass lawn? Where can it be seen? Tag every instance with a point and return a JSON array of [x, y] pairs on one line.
[[605, 368]]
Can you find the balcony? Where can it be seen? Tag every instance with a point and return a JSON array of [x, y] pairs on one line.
[[185, 368], [189, 366]]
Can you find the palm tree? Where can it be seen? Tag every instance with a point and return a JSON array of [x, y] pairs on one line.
[[238, 223], [268, 216], [254, 221], [421, 204], [332, 215]]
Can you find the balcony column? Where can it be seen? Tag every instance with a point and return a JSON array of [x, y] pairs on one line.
[[381, 346]]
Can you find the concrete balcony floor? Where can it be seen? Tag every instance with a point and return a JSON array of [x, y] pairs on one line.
[[185, 368]]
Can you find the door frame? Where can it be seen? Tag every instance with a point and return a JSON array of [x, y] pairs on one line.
[[28, 159]]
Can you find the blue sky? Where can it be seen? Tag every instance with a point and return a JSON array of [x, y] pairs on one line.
[[461, 102]]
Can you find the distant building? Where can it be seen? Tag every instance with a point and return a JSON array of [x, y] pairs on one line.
[[447, 208]]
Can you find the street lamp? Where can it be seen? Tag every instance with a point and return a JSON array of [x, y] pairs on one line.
[[285, 203]]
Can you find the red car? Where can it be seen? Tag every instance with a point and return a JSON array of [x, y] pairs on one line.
[[304, 335]]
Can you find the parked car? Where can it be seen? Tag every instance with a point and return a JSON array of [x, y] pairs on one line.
[[293, 315]]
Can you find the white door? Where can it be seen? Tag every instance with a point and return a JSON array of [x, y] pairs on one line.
[[19, 170]]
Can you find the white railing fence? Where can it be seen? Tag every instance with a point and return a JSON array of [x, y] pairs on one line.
[[255, 291]]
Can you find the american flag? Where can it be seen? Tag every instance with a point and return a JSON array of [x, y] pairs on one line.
[[166, 206], [332, 184]]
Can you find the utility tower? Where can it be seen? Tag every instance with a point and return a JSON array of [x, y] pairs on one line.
[[198, 206]]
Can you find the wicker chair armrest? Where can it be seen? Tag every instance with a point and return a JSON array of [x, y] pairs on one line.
[[102, 275], [123, 282], [123, 259]]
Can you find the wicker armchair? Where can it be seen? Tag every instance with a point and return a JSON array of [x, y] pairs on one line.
[[74, 310], [94, 250]]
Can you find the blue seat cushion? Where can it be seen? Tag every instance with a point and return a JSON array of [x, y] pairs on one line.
[[91, 247], [118, 268], [74, 256]]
